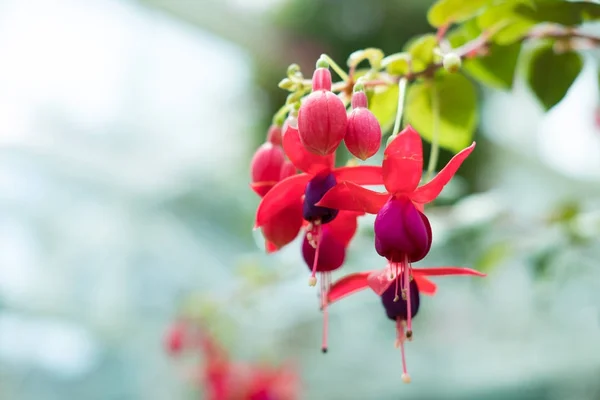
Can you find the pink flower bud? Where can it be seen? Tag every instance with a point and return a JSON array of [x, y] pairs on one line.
[[363, 133], [359, 99], [322, 122], [321, 79], [287, 170], [274, 135], [266, 163]]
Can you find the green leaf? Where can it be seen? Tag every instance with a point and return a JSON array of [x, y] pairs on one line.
[[506, 25], [560, 12], [463, 33], [397, 64], [550, 75], [445, 12], [383, 103], [493, 256], [458, 110], [498, 68], [421, 51]]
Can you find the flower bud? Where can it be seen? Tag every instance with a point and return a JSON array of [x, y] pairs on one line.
[[321, 79], [287, 170], [266, 163], [363, 132], [451, 62], [322, 122], [274, 135]]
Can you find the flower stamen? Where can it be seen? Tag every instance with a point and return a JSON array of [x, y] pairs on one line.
[[312, 281], [409, 332], [400, 343]]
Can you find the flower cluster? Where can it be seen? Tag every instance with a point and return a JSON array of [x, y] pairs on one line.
[[325, 201], [225, 379]]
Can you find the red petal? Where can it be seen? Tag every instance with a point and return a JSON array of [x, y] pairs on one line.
[[439, 271], [280, 196], [352, 197], [271, 247], [347, 285], [432, 189], [301, 158], [343, 227], [361, 175], [403, 162], [262, 188], [379, 281], [425, 286]]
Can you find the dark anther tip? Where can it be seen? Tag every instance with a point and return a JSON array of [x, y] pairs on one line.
[[408, 334], [324, 350]]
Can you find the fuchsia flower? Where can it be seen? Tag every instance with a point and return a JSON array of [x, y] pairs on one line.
[[223, 379], [328, 257], [386, 283], [402, 231], [319, 175]]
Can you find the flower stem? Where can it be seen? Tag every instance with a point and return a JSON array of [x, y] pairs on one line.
[[400, 110], [435, 147], [342, 74], [280, 115]]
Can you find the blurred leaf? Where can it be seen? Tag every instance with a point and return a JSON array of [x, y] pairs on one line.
[[421, 51], [397, 64], [508, 26], [464, 33], [493, 256], [559, 12], [565, 213], [498, 68], [383, 103], [458, 110], [550, 75], [445, 12]]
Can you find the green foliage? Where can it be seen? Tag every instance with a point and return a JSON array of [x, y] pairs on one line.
[[457, 106], [550, 75], [421, 51], [559, 12], [383, 104], [496, 69], [397, 64], [493, 256], [445, 12]]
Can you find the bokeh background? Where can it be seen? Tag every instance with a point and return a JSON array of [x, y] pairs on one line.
[[126, 130]]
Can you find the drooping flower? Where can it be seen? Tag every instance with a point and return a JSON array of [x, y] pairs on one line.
[[319, 175], [223, 379], [402, 232], [268, 166], [322, 117], [329, 256], [363, 132], [386, 283]]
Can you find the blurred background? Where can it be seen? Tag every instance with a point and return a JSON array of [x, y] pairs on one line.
[[126, 131]]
